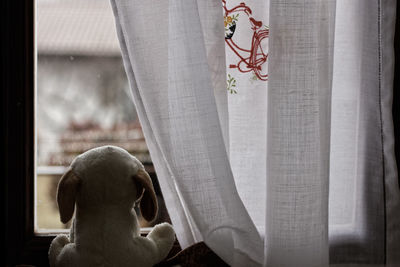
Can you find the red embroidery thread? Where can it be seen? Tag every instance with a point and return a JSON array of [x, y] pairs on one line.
[[250, 59]]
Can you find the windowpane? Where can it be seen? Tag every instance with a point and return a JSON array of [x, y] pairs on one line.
[[83, 97]]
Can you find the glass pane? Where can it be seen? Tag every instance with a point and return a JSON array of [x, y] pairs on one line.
[[83, 98]]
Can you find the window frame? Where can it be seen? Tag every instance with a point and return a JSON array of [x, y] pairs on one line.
[[22, 245]]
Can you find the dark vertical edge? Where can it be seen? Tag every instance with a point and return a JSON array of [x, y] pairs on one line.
[[396, 88], [29, 123]]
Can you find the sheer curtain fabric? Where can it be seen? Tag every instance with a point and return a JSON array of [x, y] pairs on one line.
[[269, 125]]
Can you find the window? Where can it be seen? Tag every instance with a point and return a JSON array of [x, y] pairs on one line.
[[82, 99], [23, 244]]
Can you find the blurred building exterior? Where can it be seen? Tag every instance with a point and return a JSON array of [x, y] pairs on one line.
[[83, 96]]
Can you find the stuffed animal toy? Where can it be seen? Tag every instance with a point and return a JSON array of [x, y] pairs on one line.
[[105, 183]]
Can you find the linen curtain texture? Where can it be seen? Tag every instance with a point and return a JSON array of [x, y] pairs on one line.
[[269, 125]]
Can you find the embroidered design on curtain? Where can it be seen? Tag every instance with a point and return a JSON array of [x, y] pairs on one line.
[[250, 60]]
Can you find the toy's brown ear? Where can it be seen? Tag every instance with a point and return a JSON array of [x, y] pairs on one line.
[[148, 203], [66, 195]]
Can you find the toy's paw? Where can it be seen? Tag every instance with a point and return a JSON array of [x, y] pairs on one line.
[[163, 235], [55, 248], [60, 241], [163, 231]]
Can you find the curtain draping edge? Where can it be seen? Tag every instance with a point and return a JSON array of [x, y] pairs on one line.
[[386, 30]]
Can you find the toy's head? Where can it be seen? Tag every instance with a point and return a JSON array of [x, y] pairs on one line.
[[105, 176]]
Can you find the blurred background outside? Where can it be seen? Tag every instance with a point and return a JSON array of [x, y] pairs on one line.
[[83, 98]]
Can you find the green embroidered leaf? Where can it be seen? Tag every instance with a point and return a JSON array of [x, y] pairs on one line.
[[230, 84]]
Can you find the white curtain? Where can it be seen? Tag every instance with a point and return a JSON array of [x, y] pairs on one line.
[[269, 125]]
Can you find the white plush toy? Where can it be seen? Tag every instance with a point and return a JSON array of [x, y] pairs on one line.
[[105, 183]]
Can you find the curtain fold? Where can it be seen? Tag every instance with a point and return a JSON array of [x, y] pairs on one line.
[[299, 94], [167, 68], [269, 125]]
